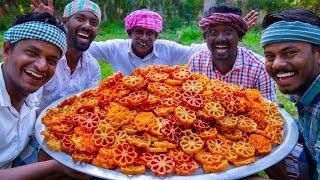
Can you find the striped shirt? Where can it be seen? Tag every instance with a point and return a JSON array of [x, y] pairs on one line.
[[248, 71]]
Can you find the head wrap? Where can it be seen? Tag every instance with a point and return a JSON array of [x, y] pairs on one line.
[[232, 19], [82, 5], [144, 18], [37, 30], [284, 31]]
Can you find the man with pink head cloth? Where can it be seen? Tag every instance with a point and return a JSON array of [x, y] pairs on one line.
[[143, 48]]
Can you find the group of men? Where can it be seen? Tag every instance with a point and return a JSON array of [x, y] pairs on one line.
[[45, 60]]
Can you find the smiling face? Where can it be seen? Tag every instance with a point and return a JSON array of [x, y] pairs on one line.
[[222, 41], [82, 28], [293, 65], [29, 65], [142, 40]]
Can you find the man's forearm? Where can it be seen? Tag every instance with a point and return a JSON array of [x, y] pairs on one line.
[[32, 171]]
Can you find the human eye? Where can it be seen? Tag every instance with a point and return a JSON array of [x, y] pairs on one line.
[[79, 18], [212, 32], [269, 57], [290, 54], [31, 53], [94, 23], [52, 61], [150, 33]]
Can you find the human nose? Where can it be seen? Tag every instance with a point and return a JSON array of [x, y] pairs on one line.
[[144, 36], [221, 37], [41, 64], [278, 63], [86, 24]]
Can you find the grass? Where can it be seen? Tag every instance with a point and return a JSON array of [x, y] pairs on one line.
[[184, 35]]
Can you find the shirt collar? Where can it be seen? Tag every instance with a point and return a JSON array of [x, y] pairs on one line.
[[4, 96], [311, 93], [5, 100], [153, 53]]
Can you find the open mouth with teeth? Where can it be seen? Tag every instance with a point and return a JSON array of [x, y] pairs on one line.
[[34, 75], [84, 36], [286, 77], [140, 43], [220, 49]]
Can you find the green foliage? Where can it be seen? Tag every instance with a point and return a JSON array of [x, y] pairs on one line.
[[252, 41], [5, 22], [106, 69]]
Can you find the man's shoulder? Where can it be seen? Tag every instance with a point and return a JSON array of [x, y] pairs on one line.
[[251, 57]]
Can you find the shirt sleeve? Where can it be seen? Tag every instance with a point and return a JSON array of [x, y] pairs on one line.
[[102, 50], [181, 53]]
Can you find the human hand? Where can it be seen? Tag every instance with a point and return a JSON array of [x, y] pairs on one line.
[[72, 173], [38, 6], [251, 18]]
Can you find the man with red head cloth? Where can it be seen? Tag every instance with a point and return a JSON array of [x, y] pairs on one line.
[[223, 27]]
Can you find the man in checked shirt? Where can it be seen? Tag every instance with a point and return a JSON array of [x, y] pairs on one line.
[[223, 26]]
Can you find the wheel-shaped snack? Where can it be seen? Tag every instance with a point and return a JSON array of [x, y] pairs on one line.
[[171, 131], [185, 116], [192, 100], [157, 77], [161, 165], [179, 156], [229, 121], [138, 97], [243, 149], [170, 102], [133, 82], [261, 144], [133, 170], [191, 144], [144, 121], [82, 157], [193, 86], [218, 146], [246, 124], [201, 125], [125, 154], [181, 74], [209, 134], [186, 168], [207, 158], [222, 166], [91, 121], [214, 110], [104, 136]]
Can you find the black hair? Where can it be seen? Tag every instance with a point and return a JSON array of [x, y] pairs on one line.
[[35, 16], [296, 14], [224, 8]]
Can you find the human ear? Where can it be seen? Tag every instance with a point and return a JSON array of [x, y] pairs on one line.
[[6, 51]]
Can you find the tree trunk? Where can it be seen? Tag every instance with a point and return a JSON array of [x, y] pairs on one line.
[[207, 4], [104, 12]]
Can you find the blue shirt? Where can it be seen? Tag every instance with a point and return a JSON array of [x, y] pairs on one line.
[[309, 124]]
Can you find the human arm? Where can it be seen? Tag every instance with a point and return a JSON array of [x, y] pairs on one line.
[[38, 170], [39, 6], [181, 54], [105, 50], [251, 18]]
